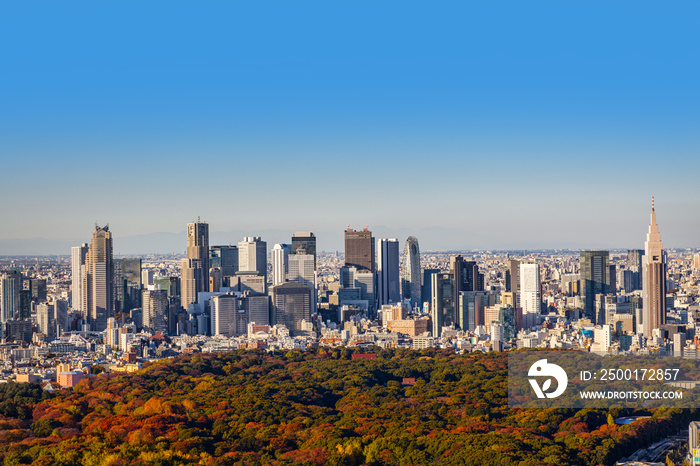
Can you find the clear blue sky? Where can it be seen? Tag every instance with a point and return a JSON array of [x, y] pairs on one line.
[[509, 124]]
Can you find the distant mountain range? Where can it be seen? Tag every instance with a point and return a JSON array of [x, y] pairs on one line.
[[429, 239]]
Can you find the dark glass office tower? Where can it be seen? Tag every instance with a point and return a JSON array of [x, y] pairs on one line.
[[595, 279], [359, 249]]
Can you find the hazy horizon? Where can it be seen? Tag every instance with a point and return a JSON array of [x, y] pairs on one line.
[[435, 239]]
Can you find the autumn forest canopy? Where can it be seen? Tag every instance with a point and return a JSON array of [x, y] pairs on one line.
[[312, 408]]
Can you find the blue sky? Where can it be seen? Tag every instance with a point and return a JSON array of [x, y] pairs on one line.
[[507, 124]]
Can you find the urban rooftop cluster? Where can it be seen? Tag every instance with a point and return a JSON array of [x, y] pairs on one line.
[[95, 312]]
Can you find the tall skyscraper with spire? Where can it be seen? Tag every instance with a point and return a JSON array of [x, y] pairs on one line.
[[98, 283], [195, 269], [653, 279]]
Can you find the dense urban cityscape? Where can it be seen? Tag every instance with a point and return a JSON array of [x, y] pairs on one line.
[[67, 318]]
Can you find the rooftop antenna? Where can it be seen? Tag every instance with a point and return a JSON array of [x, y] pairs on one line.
[[652, 203], [198, 219]]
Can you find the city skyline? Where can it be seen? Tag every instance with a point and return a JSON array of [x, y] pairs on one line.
[[541, 119]]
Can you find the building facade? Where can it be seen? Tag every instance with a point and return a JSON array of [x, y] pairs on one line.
[[653, 279], [252, 255], [595, 279], [359, 249], [77, 255], [280, 263], [304, 242], [388, 281], [411, 273], [530, 293], [195, 268], [98, 283]]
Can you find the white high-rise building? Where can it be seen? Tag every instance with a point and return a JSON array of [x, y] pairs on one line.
[[302, 270], [252, 255], [530, 293], [388, 280], [280, 263], [78, 254], [653, 279]]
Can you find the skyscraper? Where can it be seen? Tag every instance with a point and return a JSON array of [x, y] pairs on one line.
[[291, 303], [280, 263], [98, 299], [25, 304], [388, 282], [443, 309], [426, 290], [359, 249], [301, 269], [466, 277], [225, 310], [595, 279], [653, 279], [530, 293], [60, 316], [10, 287], [634, 264], [410, 272], [512, 276], [44, 319], [38, 288], [306, 242], [252, 255], [224, 258], [78, 254], [357, 285], [195, 269], [155, 310], [127, 284]]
